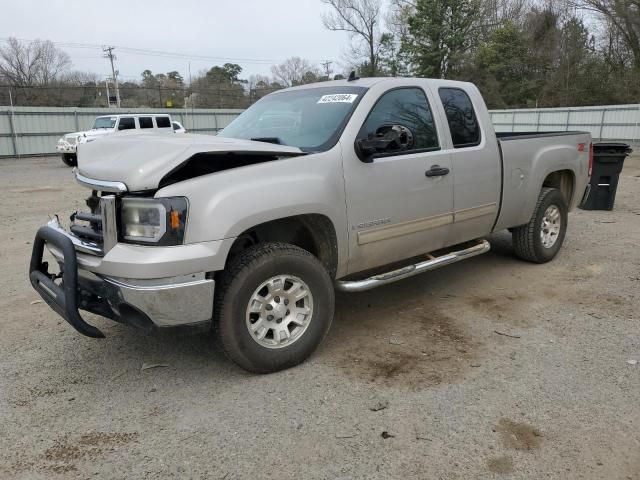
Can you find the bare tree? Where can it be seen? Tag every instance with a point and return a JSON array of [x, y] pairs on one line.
[[261, 85], [624, 16], [397, 17], [294, 71], [35, 63], [499, 11], [258, 81], [362, 20], [78, 77]]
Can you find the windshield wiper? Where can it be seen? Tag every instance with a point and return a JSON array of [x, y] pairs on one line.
[[276, 140]]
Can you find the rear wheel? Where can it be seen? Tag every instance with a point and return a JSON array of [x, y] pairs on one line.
[[540, 240], [70, 159], [274, 305]]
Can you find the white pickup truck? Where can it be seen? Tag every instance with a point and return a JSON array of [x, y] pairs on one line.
[[344, 185], [110, 124]]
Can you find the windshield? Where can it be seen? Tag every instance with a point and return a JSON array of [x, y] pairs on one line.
[[104, 122], [310, 119]]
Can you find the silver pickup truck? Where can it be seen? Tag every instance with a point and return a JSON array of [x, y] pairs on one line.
[[344, 185]]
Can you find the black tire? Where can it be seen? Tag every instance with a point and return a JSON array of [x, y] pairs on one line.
[[527, 241], [69, 159], [244, 274]]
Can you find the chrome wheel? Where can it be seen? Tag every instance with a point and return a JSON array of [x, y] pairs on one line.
[[279, 311], [550, 228]]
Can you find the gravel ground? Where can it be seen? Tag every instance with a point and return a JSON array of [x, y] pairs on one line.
[[493, 368]]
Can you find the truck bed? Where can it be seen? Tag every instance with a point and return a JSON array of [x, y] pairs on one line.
[[527, 159], [505, 136]]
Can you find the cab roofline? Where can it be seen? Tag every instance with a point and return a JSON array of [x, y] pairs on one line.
[[369, 82]]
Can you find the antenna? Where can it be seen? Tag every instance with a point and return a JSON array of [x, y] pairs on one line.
[[353, 77]]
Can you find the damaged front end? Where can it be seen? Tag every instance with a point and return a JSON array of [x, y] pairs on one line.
[[62, 297], [61, 291], [142, 303]]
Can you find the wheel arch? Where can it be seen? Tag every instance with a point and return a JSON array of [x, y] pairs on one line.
[[556, 164], [563, 180], [312, 232]]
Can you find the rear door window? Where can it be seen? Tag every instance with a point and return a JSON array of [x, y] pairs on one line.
[[163, 122], [145, 122], [127, 123], [463, 123]]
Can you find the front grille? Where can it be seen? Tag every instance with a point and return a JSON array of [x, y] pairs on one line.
[[72, 140], [97, 227], [90, 229]]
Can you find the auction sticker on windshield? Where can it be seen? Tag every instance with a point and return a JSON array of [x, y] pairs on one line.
[[338, 98]]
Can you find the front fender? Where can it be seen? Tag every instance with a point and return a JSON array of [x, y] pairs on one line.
[[227, 203]]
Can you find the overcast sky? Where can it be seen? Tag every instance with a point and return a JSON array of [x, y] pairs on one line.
[[239, 30]]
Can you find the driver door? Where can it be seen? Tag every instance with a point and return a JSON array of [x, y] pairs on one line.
[[395, 209]]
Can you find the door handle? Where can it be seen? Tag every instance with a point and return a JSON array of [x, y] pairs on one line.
[[437, 171]]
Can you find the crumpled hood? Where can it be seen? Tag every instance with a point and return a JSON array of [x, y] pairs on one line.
[[141, 161]]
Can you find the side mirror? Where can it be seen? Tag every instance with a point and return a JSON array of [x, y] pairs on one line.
[[366, 149], [387, 139]]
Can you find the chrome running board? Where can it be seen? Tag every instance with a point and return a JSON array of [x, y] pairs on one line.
[[409, 271]]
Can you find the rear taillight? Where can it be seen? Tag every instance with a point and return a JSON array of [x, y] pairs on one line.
[[590, 159]]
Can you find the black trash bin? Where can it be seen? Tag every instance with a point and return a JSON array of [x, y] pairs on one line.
[[608, 159]]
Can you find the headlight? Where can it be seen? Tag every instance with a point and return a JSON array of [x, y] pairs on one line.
[[153, 221]]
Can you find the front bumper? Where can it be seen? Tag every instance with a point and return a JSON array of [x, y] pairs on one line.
[[145, 303], [66, 148]]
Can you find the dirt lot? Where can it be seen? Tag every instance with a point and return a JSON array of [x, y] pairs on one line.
[[493, 368]]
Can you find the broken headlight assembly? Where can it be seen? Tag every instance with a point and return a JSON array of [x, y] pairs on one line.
[[153, 221]]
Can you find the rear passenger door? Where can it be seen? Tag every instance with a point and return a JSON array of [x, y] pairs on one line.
[[477, 169]]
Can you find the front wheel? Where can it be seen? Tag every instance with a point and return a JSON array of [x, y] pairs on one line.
[[274, 305], [70, 159], [540, 240]]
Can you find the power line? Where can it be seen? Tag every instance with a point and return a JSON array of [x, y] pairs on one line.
[[158, 53], [230, 90]]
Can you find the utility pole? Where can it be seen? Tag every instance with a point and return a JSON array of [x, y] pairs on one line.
[[327, 64], [12, 126], [109, 54], [191, 97], [106, 84]]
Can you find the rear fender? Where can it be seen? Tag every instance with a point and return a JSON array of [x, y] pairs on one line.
[[524, 177]]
